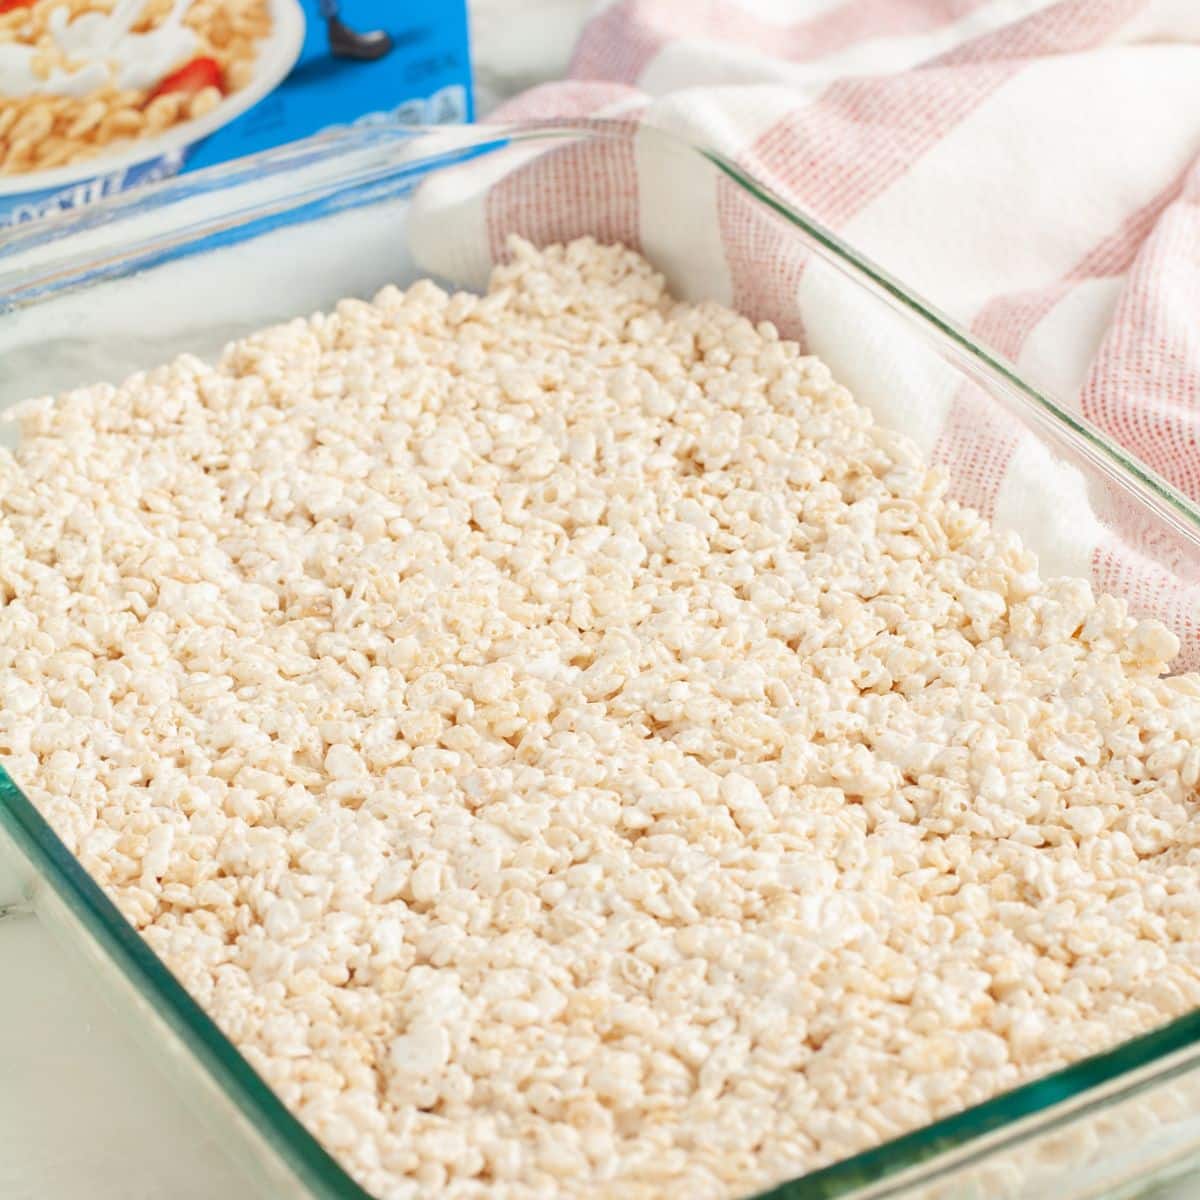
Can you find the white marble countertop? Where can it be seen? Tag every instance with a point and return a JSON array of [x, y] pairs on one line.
[[84, 1112]]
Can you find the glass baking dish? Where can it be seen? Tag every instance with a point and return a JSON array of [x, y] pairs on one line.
[[191, 263]]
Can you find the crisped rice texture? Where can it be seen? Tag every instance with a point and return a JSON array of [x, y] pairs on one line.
[[573, 752]]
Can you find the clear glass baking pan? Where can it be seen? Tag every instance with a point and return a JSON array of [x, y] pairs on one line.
[[194, 262]]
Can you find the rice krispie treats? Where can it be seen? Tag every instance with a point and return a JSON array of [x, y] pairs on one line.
[[572, 751]]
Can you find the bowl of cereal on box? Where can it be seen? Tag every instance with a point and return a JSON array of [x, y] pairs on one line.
[[90, 86]]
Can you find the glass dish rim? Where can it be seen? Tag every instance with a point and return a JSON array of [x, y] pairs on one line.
[[920, 1155]]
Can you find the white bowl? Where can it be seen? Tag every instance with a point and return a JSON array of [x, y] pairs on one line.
[[277, 54]]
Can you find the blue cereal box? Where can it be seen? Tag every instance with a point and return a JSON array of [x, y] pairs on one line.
[[100, 96]]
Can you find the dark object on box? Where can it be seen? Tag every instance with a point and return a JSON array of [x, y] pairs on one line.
[[344, 42]]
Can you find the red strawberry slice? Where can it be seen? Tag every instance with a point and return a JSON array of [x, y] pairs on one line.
[[10, 5], [192, 77]]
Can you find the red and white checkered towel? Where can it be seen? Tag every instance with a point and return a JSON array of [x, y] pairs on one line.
[[1031, 167]]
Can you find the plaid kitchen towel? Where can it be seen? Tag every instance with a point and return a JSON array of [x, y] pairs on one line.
[[1031, 167]]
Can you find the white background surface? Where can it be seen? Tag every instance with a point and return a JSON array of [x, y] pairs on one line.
[[84, 1114]]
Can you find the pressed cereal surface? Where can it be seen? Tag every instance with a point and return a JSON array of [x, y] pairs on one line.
[[573, 752]]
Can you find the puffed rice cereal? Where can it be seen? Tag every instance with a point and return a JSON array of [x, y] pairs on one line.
[[572, 751]]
